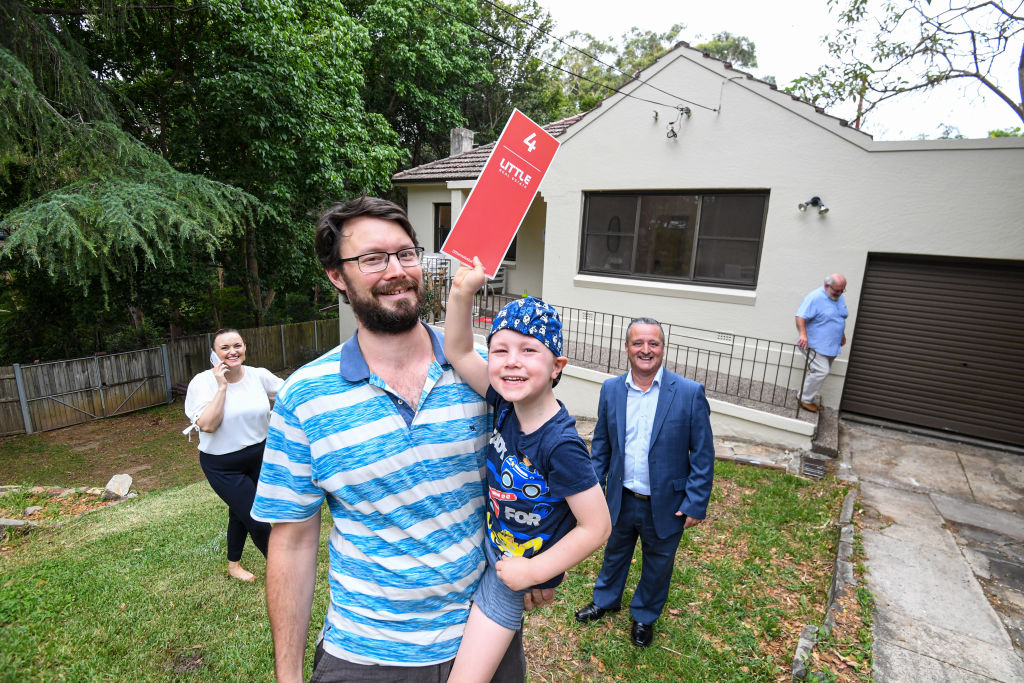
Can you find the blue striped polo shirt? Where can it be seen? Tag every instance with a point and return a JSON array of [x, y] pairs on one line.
[[406, 501]]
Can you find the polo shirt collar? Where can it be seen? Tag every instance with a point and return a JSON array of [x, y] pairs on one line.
[[355, 369]]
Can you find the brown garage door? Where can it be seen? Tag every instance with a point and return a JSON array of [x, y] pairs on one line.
[[939, 343]]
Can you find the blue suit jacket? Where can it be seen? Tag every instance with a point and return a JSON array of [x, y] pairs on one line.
[[681, 459]]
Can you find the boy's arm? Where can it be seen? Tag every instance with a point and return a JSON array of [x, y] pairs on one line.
[[458, 327], [593, 526]]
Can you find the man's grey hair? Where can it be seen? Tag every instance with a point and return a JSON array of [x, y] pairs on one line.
[[646, 321], [830, 280]]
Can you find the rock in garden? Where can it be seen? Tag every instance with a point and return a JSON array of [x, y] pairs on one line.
[[16, 523], [117, 487], [29, 511]]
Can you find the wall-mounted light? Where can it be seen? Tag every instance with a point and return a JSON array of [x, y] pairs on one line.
[[813, 201]]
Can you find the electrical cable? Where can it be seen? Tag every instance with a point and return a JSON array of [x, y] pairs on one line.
[[566, 71], [593, 57]]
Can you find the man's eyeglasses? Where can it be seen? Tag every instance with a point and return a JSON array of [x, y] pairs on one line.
[[837, 291], [376, 261]]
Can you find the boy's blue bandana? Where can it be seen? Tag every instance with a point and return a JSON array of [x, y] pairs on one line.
[[534, 318]]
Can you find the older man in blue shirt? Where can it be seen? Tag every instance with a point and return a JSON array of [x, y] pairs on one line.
[[654, 452], [821, 324]]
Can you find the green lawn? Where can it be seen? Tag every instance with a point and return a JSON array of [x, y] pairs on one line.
[[138, 591]]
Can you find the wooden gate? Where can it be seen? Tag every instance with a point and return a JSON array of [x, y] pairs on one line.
[[64, 393]]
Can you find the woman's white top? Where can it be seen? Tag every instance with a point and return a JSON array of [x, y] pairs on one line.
[[246, 409]]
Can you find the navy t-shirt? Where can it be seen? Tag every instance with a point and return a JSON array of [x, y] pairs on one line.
[[528, 479]]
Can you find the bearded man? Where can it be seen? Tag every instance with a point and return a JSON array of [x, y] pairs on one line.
[[386, 432]]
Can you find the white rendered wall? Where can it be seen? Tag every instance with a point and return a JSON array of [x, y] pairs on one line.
[[942, 198], [422, 199], [526, 273]]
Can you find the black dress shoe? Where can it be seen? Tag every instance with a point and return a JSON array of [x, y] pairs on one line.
[[642, 634], [592, 613]]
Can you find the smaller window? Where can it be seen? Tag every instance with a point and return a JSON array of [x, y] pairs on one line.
[[443, 226]]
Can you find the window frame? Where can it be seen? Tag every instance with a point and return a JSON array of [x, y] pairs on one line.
[[438, 241], [510, 255], [692, 279]]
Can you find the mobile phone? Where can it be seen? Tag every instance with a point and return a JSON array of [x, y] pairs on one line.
[[214, 359]]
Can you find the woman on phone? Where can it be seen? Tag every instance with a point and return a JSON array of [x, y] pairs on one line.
[[229, 405]]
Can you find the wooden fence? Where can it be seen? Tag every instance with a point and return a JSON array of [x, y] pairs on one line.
[[45, 396]]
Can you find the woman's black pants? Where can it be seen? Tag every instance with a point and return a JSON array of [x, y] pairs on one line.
[[234, 476]]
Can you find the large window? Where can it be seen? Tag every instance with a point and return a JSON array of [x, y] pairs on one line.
[[443, 226], [712, 237]]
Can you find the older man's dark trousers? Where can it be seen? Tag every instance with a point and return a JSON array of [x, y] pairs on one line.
[[657, 557]]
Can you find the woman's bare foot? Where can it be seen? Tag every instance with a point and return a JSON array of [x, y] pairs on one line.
[[235, 570]]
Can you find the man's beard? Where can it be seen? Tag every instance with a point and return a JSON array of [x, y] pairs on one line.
[[373, 316]]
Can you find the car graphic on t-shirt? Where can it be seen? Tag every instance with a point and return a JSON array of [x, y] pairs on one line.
[[507, 543], [519, 475]]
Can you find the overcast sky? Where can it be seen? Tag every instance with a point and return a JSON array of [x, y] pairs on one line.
[[788, 38]]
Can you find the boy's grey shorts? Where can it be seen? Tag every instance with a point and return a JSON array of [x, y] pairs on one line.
[[499, 603]]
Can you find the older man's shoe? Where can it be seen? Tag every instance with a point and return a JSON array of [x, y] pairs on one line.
[[592, 613], [642, 634], [809, 406]]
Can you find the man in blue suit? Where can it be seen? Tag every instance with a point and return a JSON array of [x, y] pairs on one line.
[[654, 453]]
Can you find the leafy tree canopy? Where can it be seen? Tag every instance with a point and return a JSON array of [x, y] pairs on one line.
[[597, 67], [80, 199], [738, 50], [516, 36], [422, 60], [903, 46], [139, 139]]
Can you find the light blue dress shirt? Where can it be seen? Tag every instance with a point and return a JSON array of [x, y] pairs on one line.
[[640, 408]]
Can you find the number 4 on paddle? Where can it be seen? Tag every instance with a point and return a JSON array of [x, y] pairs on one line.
[[529, 141]]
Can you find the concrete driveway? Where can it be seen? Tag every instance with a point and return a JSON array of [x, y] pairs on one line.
[[943, 531]]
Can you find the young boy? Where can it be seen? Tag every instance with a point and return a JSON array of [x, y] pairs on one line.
[[546, 512]]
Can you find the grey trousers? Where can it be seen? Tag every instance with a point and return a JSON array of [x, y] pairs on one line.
[[817, 370]]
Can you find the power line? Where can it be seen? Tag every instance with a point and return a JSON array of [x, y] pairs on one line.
[[563, 70], [595, 58]]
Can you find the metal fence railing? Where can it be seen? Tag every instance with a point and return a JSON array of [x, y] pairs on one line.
[[750, 370]]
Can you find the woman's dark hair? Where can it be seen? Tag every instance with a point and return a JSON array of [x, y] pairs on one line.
[[224, 330]]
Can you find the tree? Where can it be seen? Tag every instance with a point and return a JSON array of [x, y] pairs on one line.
[[515, 35], [266, 96], [915, 45], [738, 50], [83, 205], [594, 68], [261, 103], [421, 61]]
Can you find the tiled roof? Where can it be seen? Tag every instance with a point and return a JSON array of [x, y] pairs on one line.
[[468, 165]]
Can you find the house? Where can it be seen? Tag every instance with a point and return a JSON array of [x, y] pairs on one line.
[[701, 196]]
